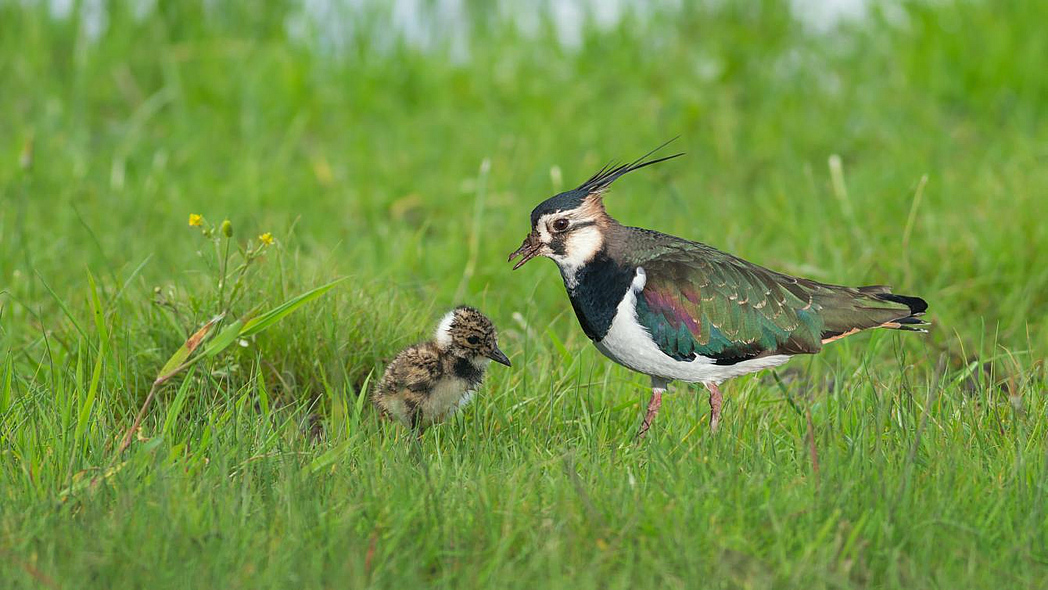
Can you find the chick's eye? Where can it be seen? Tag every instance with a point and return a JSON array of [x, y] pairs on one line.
[[473, 340], [560, 224]]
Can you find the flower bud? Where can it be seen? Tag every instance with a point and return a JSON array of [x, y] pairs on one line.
[[227, 229]]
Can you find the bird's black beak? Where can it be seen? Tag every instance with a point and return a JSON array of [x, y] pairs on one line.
[[499, 357], [528, 250]]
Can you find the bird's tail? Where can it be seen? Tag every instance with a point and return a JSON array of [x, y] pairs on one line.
[[849, 310], [910, 323]]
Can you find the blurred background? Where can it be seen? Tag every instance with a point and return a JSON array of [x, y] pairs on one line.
[[405, 143]]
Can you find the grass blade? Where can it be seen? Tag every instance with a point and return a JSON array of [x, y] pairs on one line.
[[329, 457], [263, 394], [5, 393], [362, 396], [226, 337], [176, 406], [63, 306], [88, 403], [98, 312], [256, 325], [187, 349]]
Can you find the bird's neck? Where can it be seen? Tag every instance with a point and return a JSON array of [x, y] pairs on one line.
[[595, 290], [585, 246], [469, 368]]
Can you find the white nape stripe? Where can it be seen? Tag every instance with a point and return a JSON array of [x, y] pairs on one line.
[[630, 344], [443, 334]]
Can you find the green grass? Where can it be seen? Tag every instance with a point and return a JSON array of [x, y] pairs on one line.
[[413, 174]]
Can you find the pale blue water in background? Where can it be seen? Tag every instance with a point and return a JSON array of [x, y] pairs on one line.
[[333, 25]]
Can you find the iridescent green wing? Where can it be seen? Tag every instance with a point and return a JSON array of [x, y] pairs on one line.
[[700, 301]]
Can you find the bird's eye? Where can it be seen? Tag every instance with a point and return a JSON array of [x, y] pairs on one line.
[[474, 340], [560, 224]]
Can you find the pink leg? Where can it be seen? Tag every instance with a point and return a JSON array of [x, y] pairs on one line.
[[715, 406], [653, 408]]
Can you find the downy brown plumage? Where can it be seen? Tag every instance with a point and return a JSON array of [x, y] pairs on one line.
[[431, 380]]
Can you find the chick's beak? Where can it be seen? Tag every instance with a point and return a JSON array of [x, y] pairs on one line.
[[528, 250], [499, 357]]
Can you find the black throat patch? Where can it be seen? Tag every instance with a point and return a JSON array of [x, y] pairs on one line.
[[600, 286], [464, 369]]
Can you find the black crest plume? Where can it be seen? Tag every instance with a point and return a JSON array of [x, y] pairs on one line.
[[600, 181]]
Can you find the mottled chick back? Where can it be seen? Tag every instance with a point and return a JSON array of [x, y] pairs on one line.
[[431, 380]]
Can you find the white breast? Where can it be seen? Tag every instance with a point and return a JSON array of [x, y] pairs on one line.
[[630, 344], [448, 395]]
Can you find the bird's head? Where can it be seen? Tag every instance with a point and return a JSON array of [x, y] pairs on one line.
[[569, 227], [467, 333]]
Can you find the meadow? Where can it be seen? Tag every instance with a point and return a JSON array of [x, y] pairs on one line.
[[907, 148]]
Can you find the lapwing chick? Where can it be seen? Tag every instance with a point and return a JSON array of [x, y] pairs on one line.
[[431, 380], [674, 309]]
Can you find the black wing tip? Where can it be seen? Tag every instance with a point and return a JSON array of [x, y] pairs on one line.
[[916, 304]]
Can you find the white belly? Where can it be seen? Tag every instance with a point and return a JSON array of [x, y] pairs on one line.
[[630, 344], [449, 394]]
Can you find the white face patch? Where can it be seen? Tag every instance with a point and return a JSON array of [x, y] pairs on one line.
[[581, 244], [443, 335]]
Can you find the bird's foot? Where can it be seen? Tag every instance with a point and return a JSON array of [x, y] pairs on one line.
[[715, 406], [653, 408]]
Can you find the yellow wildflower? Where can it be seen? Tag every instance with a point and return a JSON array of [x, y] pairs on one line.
[[266, 239], [195, 220]]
